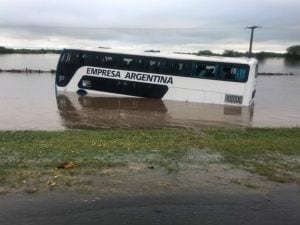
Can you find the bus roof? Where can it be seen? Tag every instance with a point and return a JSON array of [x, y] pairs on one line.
[[168, 55]]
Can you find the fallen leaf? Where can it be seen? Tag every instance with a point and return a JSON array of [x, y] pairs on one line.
[[65, 165]]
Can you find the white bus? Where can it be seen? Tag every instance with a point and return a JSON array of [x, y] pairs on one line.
[[179, 77]]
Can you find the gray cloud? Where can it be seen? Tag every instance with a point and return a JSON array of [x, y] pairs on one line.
[[195, 23]]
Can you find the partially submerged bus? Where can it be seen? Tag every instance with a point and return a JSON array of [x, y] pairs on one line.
[[179, 77]]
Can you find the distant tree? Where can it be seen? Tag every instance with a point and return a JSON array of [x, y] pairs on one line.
[[4, 50], [263, 55], [293, 51], [232, 53], [205, 52]]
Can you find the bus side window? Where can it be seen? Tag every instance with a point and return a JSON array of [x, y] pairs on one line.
[[126, 63], [89, 60], [226, 73], [80, 58], [210, 71], [200, 70], [154, 66], [178, 68], [174, 67], [203, 70], [108, 61], [162, 66], [196, 69], [188, 69], [97, 60], [139, 64]]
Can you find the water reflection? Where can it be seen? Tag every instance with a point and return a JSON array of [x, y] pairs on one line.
[[83, 112], [291, 62], [279, 65], [80, 112]]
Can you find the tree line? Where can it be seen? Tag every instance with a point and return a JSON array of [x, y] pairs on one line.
[[4, 50], [291, 52]]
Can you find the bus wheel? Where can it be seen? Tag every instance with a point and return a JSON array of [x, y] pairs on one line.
[[81, 92]]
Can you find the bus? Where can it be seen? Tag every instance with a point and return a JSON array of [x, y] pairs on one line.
[[151, 74]]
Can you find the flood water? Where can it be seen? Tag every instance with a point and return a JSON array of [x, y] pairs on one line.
[[29, 101]]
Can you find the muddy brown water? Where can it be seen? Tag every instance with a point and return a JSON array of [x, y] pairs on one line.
[[30, 102]]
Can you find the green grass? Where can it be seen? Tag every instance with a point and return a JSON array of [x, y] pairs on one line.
[[268, 152], [27, 155], [32, 156]]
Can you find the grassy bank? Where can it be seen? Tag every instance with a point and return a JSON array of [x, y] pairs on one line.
[[274, 153], [31, 157]]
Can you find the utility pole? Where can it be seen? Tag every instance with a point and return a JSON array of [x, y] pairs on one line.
[[251, 38]]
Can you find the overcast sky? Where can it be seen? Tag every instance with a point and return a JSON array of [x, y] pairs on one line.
[[187, 25]]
